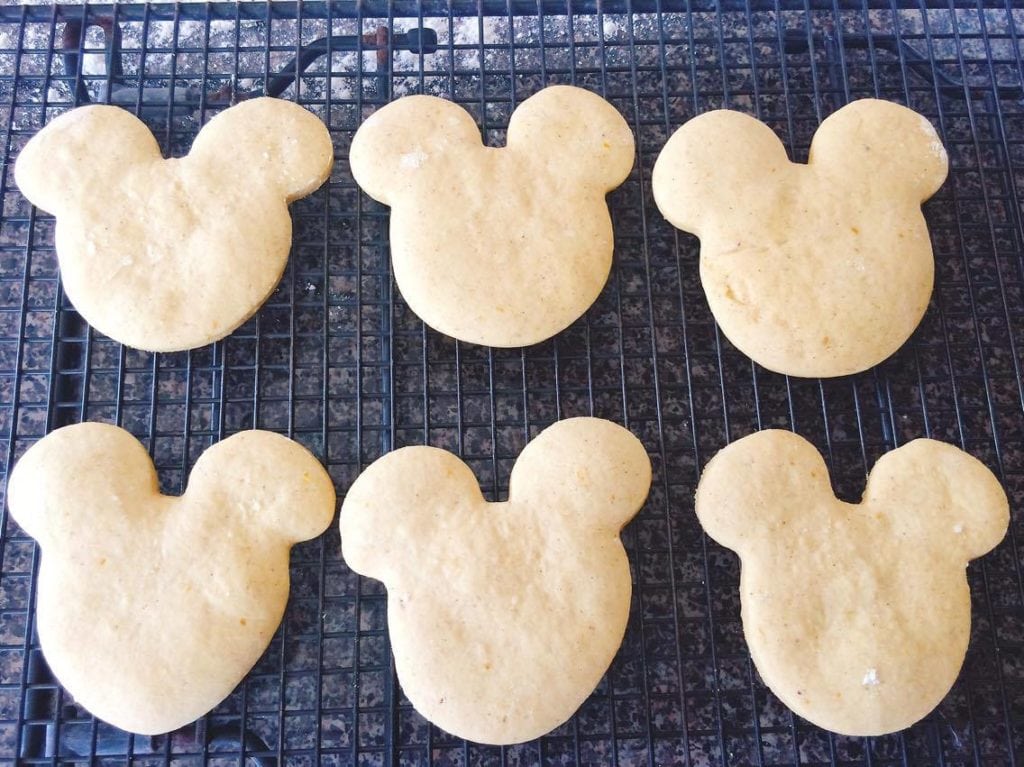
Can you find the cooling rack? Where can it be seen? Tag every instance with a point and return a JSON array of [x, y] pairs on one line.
[[336, 360]]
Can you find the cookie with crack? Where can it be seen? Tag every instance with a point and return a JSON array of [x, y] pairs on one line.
[[503, 617], [816, 270], [152, 608], [497, 246], [166, 255], [857, 615]]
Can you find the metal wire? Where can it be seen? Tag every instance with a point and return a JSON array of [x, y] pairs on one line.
[[337, 361]]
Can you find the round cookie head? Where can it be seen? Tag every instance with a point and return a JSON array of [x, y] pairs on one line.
[[151, 608], [499, 246], [502, 616], [857, 616], [815, 270], [166, 255]]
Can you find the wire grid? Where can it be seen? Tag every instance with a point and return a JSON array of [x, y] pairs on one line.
[[336, 360]]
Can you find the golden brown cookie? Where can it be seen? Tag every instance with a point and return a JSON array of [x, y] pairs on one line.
[[857, 615], [165, 255], [821, 269], [502, 616], [152, 608]]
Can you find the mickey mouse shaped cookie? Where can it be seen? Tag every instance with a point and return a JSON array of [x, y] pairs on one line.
[[165, 255], [503, 247], [822, 269], [857, 615], [152, 608], [502, 616]]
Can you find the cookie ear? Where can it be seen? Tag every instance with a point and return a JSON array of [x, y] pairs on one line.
[[268, 141], [751, 485], [964, 509], [80, 153], [582, 135], [597, 472], [275, 482], [403, 141], [861, 135], [102, 466], [392, 507], [716, 162]]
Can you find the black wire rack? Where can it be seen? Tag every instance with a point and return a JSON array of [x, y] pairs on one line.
[[336, 360]]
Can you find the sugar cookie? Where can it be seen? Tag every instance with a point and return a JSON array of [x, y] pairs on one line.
[[152, 608], [166, 255], [857, 615], [812, 270], [503, 247], [502, 616]]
